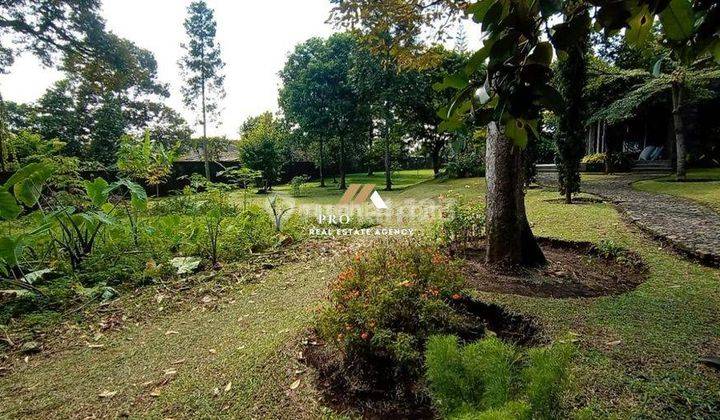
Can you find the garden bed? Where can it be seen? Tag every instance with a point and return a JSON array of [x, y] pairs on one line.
[[574, 269], [353, 388]]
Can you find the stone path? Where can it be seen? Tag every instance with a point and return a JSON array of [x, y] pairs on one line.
[[689, 227]]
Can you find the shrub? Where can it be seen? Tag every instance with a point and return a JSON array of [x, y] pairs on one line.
[[607, 248], [594, 162], [384, 306], [466, 165], [297, 185], [465, 225], [491, 379]]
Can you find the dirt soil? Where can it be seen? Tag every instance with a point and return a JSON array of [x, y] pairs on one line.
[[574, 269]]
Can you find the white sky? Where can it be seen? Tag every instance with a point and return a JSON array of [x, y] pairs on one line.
[[255, 37]]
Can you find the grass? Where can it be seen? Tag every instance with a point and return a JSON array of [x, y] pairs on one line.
[[706, 192], [637, 359]]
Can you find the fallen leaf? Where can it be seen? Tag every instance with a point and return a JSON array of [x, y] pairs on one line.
[[212, 351], [614, 343], [169, 332], [170, 372], [295, 384], [107, 394], [228, 387], [96, 346], [178, 362]]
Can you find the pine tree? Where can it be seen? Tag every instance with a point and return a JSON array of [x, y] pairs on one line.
[[201, 69]]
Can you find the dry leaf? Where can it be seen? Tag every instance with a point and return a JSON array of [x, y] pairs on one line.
[[107, 394], [228, 387], [168, 332], [614, 343], [212, 351], [170, 371], [295, 384]]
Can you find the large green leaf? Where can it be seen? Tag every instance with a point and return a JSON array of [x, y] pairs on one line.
[[97, 191], [542, 54], [479, 9], [138, 196], [9, 208], [677, 20], [10, 249], [640, 27], [27, 183], [516, 130]]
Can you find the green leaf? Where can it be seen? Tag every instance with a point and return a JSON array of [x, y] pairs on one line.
[[185, 265], [96, 190], [493, 16], [640, 27], [138, 196], [31, 278], [479, 9], [657, 68], [10, 248], [542, 53], [516, 130], [27, 182], [677, 20], [455, 81], [478, 58], [9, 208]]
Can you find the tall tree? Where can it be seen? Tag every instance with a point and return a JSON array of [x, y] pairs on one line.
[[518, 86], [261, 141], [202, 68], [44, 28], [571, 78], [319, 95]]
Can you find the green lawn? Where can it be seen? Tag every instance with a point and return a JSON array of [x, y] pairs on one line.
[[707, 193], [638, 351], [330, 194]]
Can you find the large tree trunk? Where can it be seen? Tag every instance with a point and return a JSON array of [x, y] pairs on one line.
[[369, 156], [509, 237], [677, 98], [322, 174], [342, 163], [435, 156]]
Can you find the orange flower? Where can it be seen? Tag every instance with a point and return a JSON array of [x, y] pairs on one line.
[[457, 296]]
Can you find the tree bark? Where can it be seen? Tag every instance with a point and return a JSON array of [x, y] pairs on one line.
[[677, 98], [435, 156], [509, 237], [3, 133], [322, 158], [387, 133], [369, 156], [342, 163]]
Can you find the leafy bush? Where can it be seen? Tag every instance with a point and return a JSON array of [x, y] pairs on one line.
[[384, 306], [609, 249], [491, 379], [465, 165], [594, 162], [297, 185], [464, 225]]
